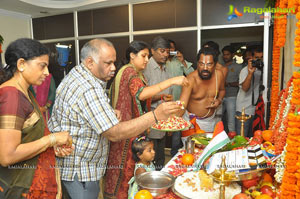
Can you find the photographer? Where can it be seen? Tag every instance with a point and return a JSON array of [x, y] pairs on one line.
[[249, 83]]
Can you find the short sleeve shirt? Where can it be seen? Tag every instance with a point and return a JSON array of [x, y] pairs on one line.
[[82, 108], [154, 75], [244, 99]]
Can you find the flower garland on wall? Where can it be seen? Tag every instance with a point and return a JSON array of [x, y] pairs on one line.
[[280, 21], [280, 123], [291, 127], [291, 177], [297, 42]]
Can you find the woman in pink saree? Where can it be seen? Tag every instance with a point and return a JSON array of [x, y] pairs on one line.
[[45, 95]]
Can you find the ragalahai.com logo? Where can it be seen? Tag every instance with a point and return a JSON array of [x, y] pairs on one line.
[[233, 13]]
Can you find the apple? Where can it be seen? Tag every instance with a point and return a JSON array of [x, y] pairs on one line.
[[249, 183], [258, 133], [267, 190], [231, 134], [240, 196]]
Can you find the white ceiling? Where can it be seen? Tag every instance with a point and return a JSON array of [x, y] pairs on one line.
[[54, 7]]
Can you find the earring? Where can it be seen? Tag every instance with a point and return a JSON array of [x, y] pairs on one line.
[[21, 69]]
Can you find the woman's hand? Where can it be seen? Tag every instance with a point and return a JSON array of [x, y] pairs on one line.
[[63, 138], [180, 80], [62, 151], [63, 145]]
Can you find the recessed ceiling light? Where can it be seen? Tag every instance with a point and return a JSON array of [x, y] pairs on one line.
[[61, 4]]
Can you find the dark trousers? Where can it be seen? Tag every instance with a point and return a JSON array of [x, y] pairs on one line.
[[159, 147], [80, 190], [176, 142]]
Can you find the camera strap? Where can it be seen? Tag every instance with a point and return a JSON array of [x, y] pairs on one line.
[[259, 90]]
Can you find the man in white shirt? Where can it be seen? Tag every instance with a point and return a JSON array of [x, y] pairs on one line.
[[249, 82]]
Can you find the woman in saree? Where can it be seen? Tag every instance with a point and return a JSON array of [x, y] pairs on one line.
[[27, 156], [131, 95], [45, 95]]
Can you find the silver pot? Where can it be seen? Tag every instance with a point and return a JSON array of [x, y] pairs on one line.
[[157, 182]]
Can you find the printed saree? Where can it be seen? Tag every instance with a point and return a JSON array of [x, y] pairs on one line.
[[34, 178], [45, 94], [124, 93]]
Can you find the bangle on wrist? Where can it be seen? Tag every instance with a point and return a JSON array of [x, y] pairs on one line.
[[156, 121], [52, 139], [162, 97]]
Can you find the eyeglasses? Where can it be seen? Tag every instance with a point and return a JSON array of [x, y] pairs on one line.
[[209, 65]]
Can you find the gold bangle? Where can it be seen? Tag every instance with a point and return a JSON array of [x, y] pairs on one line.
[[52, 139]]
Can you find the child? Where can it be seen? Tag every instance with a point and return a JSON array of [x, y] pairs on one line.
[[143, 154]]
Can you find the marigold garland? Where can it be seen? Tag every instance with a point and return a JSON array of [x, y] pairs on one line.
[[291, 177]]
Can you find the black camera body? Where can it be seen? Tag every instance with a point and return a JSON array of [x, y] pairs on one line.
[[258, 63]]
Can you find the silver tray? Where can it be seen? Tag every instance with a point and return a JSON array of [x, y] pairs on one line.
[[178, 194]]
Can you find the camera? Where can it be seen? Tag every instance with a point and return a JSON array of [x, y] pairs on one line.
[[259, 64], [173, 53]]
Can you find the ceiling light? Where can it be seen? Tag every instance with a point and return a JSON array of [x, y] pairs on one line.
[[61, 3]]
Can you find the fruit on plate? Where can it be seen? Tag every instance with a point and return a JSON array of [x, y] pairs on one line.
[[258, 133], [267, 190], [231, 134], [267, 177], [267, 184], [241, 196], [263, 196], [249, 183], [143, 194], [267, 135], [188, 159], [254, 194]]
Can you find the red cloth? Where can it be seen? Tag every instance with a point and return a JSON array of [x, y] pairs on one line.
[[44, 182], [120, 167], [258, 121]]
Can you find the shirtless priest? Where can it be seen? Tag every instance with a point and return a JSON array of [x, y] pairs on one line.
[[205, 91]]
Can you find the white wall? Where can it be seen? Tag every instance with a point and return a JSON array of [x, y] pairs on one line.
[[13, 26]]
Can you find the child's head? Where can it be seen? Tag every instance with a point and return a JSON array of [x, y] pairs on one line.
[[142, 149]]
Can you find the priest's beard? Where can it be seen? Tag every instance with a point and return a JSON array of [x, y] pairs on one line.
[[207, 76]]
